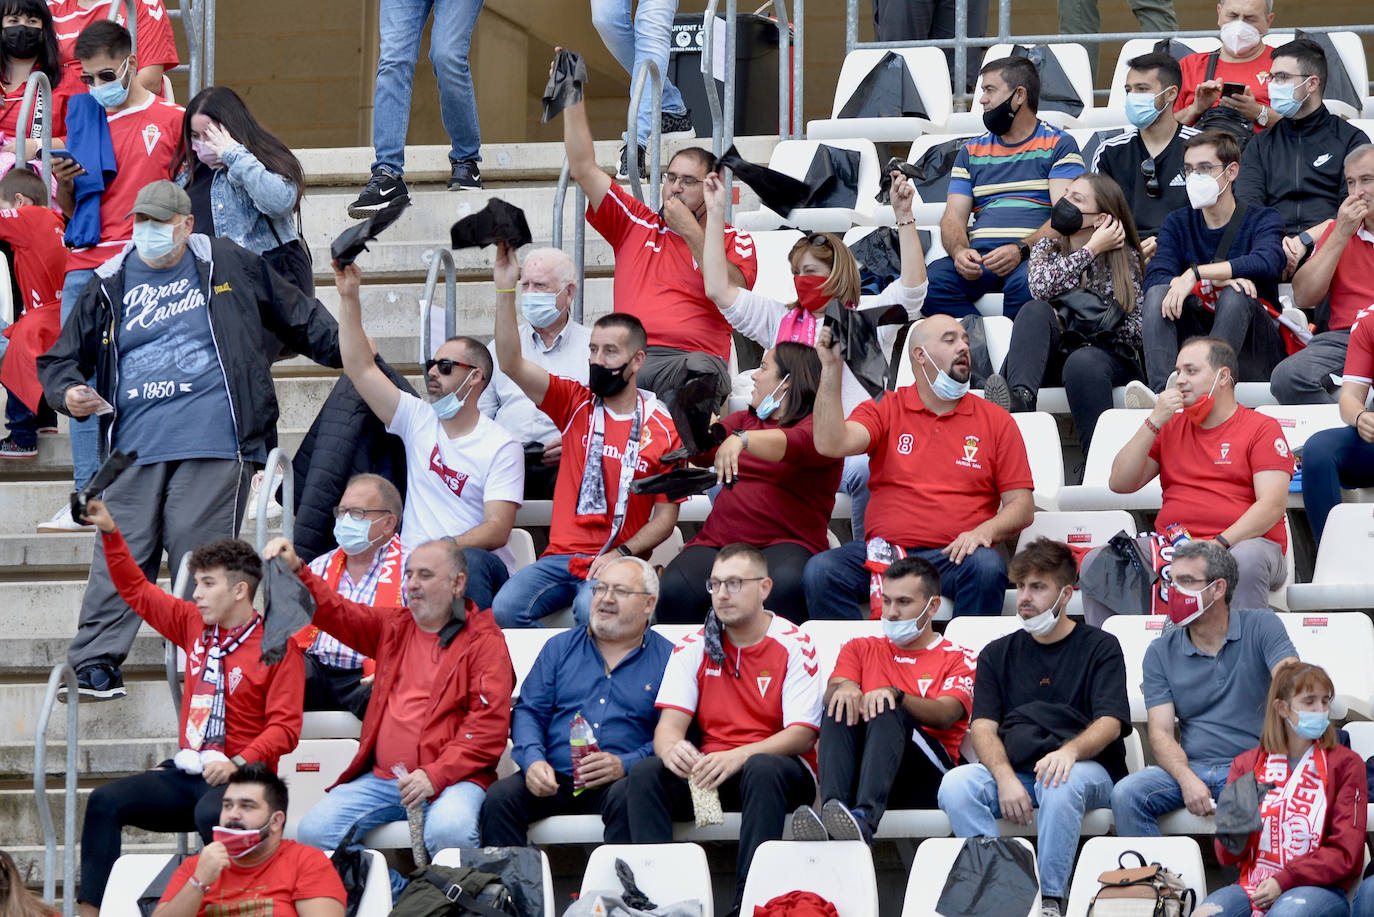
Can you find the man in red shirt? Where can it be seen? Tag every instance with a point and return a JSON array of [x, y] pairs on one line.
[[657, 258], [1224, 470], [613, 433], [439, 715], [1242, 58], [143, 131], [234, 709], [947, 470], [250, 868], [750, 682], [896, 710], [1341, 269]]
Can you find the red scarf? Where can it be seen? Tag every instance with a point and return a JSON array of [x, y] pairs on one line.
[[1293, 815], [204, 730], [388, 594], [880, 554]]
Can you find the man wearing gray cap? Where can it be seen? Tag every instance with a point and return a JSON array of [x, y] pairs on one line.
[[174, 330]]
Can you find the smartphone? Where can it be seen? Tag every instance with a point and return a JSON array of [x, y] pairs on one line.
[[63, 154], [1232, 89]]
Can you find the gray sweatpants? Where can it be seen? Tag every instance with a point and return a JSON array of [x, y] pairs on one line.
[[172, 506], [1305, 377]]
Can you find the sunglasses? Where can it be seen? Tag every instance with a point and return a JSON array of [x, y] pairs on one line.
[[447, 366], [1147, 169], [818, 240], [105, 76]]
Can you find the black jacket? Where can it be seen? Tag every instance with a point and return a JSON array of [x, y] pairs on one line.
[[248, 303], [1298, 168]]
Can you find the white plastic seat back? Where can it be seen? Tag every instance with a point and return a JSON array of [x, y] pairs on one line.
[[793, 157], [1040, 433], [667, 873], [1114, 429], [1300, 421], [973, 632], [929, 204], [829, 636], [774, 279], [521, 544], [309, 770], [1135, 48], [1135, 633], [997, 328], [524, 644], [671, 547], [1100, 854], [330, 724], [676, 632], [453, 856], [376, 899], [1361, 737], [1081, 529], [1366, 123], [929, 870], [929, 72], [839, 871], [1072, 57], [129, 878], [1342, 643]]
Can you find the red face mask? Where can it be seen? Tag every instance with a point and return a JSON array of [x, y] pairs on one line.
[[239, 842], [809, 295], [1185, 605], [1197, 411]]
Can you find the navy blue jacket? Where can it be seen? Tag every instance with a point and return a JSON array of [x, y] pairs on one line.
[[1256, 253]]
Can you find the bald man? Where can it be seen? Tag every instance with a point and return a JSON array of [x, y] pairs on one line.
[[949, 479]]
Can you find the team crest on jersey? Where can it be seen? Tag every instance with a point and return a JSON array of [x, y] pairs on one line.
[[971, 446], [1225, 452], [235, 676], [924, 683], [151, 134], [764, 680], [1281, 447]]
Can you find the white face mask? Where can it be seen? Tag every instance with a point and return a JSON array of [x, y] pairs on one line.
[[1239, 37], [1043, 623], [1203, 190], [944, 385]]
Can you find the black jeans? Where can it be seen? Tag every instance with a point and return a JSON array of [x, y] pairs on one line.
[[904, 20], [510, 808], [682, 596], [1088, 374], [163, 799], [871, 764], [764, 791], [330, 688], [1239, 320]]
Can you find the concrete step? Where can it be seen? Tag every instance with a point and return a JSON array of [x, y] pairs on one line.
[[19, 814], [146, 711], [36, 655], [54, 459], [48, 608], [96, 758], [30, 858], [27, 503]]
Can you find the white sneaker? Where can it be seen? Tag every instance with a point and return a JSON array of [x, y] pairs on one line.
[[1172, 380], [250, 514], [62, 522], [1138, 395]]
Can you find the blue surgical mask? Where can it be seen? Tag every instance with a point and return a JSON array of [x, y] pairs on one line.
[[771, 402], [153, 240], [449, 405], [112, 95], [1311, 724], [352, 535], [904, 631], [944, 385], [539, 309], [1282, 101], [1140, 108]]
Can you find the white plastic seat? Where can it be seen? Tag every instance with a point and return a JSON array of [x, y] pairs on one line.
[[311, 769], [453, 856], [1114, 429], [1040, 433], [1100, 854], [1366, 123], [1072, 57], [521, 544], [667, 873], [1135, 633], [839, 871], [1352, 58], [670, 548], [1342, 643], [535, 513], [1081, 529], [930, 869], [1299, 422], [675, 633], [973, 632], [330, 724], [829, 636], [774, 279], [929, 73], [129, 878], [1254, 394], [1341, 577], [376, 899], [793, 157], [524, 644], [929, 204], [997, 329]]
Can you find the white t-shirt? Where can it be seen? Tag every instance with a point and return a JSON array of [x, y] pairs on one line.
[[449, 481]]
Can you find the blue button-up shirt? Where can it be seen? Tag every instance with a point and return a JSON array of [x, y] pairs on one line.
[[570, 675]]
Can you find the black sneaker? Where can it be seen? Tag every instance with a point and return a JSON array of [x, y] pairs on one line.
[[97, 682], [996, 391], [1022, 399], [383, 189], [676, 126], [9, 449], [807, 825], [624, 170], [466, 176], [842, 824]]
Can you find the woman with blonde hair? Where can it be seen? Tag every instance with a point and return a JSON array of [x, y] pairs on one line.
[[1309, 850], [15, 899]]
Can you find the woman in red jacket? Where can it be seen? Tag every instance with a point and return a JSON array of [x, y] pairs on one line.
[[1310, 850]]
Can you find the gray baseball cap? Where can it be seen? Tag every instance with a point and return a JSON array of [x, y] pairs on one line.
[[161, 200]]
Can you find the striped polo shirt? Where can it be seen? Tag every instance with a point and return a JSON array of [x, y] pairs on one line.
[[1010, 183]]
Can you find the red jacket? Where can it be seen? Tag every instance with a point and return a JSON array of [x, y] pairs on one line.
[[1340, 858], [262, 704], [469, 718]]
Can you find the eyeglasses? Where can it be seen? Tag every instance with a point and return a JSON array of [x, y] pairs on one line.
[[356, 513], [818, 240], [447, 366], [105, 76], [1207, 168], [1282, 78], [1147, 169], [686, 181], [732, 585], [1187, 582], [618, 592]]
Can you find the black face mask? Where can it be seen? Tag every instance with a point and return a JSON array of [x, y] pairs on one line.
[[21, 41], [1066, 219], [999, 118], [606, 382]]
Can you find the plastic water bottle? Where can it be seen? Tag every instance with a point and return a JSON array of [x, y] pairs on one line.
[[581, 742], [415, 817]]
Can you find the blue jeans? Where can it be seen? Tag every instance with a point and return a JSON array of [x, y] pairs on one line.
[[950, 294], [22, 423], [855, 483], [369, 802], [634, 35], [400, 23], [1141, 798], [487, 573], [1363, 905], [968, 795], [836, 582], [541, 589], [1300, 901], [1333, 459], [85, 433]]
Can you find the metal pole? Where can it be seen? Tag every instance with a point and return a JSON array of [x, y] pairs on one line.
[[209, 31], [851, 25], [708, 76], [784, 68], [130, 21], [655, 141], [187, 10], [580, 253], [564, 175], [798, 66], [731, 42], [437, 257], [277, 461], [60, 674], [38, 85], [1003, 22]]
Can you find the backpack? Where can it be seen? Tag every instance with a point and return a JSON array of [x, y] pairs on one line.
[[454, 891], [1142, 891], [1221, 118]]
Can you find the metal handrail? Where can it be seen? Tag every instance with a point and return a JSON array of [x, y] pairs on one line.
[[169, 654], [278, 467], [655, 144], [130, 21], [436, 257], [60, 674], [39, 85], [579, 233], [7, 310]]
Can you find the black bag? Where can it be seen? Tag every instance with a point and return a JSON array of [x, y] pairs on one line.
[[887, 91], [833, 177], [991, 877], [353, 863], [454, 891], [1120, 578], [979, 359], [1087, 318], [1221, 118], [1057, 92]]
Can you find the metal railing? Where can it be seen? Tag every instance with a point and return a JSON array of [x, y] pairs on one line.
[[437, 257], [39, 86], [278, 469], [579, 234], [197, 21], [60, 674], [650, 68], [130, 20]]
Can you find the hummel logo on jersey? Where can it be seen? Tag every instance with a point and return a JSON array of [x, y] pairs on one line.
[[151, 134], [1321, 160]]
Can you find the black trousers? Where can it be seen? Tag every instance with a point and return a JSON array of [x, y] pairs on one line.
[[510, 808], [682, 596], [330, 688], [764, 791], [163, 799], [870, 765]]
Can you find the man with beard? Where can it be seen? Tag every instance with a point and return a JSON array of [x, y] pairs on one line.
[[609, 673], [613, 433], [948, 474], [465, 476], [250, 867]]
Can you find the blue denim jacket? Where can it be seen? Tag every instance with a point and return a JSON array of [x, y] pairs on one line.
[[248, 202]]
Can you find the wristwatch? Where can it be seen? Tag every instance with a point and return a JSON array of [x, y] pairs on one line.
[[1024, 249], [900, 694], [624, 550], [743, 437], [1263, 118]]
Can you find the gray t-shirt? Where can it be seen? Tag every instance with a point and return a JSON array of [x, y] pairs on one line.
[[172, 400], [1219, 699]]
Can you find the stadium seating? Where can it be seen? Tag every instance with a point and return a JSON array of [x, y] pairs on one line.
[[524, 644], [521, 544], [1099, 854], [793, 157], [667, 873], [1073, 58], [1342, 642], [1041, 435], [453, 856], [310, 770], [839, 871], [930, 870], [973, 632], [774, 279], [1114, 430], [929, 74], [1134, 633], [1341, 579]]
